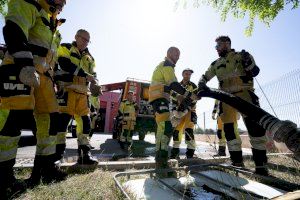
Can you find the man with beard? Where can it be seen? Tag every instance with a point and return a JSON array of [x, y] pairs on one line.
[[235, 72]]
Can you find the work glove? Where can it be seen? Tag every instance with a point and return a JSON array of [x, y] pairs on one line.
[[202, 84], [180, 98], [29, 76], [246, 58], [95, 89], [90, 78], [194, 117], [194, 97], [185, 104]]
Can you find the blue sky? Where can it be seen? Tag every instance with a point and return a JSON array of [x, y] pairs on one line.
[[130, 37]]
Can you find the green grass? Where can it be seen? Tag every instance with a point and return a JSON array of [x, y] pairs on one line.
[[99, 184], [282, 167], [94, 185]]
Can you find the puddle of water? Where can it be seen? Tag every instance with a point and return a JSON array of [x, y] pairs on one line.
[[194, 190], [143, 152], [199, 193]]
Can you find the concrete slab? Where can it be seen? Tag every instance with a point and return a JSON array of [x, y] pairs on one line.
[[152, 189], [196, 187], [149, 189], [244, 184]]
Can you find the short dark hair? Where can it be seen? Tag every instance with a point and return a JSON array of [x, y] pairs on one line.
[[171, 50], [223, 38], [82, 31]]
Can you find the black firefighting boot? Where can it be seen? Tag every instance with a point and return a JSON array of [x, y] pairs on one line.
[[236, 158], [50, 171], [161, 163], [85, 157], [36, 174], [221, 151], [260, 159], [189, 153], [10, 187], [175, 153], [60, 150]]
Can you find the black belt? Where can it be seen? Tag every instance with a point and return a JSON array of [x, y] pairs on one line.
[[38, 50]]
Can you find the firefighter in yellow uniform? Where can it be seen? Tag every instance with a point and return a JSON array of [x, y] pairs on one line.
[[162, 82], [187, 121], [26, 84], [220, 130], [235, 72], [72, 78], [94, 113], [127, 114]]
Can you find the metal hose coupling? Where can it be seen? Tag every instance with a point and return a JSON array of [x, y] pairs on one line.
[[288, 133]]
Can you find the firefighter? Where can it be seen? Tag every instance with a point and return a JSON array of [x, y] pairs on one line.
[[26, 84], [235, 72], [73, 75], [127, 115], [187, 122], [95, 114], [162, 82], [220, 131]]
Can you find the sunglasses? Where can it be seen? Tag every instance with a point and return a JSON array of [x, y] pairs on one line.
[[219, 44]]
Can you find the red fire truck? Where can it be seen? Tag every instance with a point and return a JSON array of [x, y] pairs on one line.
[[116, 92]]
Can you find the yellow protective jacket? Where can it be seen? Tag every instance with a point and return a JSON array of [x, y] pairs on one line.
[[163, 81], [127, 110], [76, 66], [232, 74], [163, 75], [31, 39], [191, 87]]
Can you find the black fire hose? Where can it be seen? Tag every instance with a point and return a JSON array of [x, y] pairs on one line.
[[282, 131]]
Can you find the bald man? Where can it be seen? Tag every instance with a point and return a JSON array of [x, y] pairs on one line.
[[163, 81]]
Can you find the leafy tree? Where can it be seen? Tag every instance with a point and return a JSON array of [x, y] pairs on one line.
[[3, 4], [264, 10], [198, 131], [210, 131]]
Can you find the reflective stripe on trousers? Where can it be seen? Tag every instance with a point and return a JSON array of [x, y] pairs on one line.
[[8, 147], [46, 143], [83, 129]]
